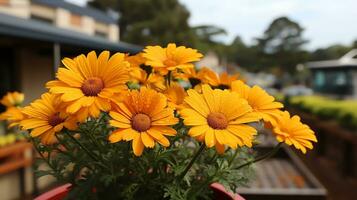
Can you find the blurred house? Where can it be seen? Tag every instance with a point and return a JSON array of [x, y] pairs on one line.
[[211, 60], [36, 34], [336, 77]]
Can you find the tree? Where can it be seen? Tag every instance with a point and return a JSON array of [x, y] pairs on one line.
[[146, 22], [354, 44], [243, 55], [331, 52], [282, 44]]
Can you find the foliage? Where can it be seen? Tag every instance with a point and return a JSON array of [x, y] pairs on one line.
[[331, 52], [345, 112], [111, 171], [148, 22], [283, 41], [156, 22]]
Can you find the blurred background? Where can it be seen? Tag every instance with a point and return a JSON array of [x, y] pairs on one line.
[[304, 52]]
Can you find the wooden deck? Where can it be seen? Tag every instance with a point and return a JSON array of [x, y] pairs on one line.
[[283, 177]]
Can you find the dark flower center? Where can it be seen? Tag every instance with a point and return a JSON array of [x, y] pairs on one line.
[[141, 122], [92, 86], [55, 119], [217, 120], [194, 81], [222, 86]]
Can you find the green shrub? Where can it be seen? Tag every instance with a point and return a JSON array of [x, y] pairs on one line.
[[343, 111]]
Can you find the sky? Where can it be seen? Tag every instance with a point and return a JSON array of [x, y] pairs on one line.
[[326, 22]]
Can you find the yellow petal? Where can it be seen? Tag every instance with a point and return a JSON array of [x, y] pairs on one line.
[[210, 139], [198, 130], [157, 135], [40, 130], [197, 102], [116, 136], [147, 140], [130, 134], [138, 146], [119, 117], [33, 123], [119, 124], [192, 118]]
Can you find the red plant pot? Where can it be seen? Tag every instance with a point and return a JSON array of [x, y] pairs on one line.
[[59, 193], [220, 193]]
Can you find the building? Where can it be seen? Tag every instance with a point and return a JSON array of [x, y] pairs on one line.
[[336, 77], [36, 34]]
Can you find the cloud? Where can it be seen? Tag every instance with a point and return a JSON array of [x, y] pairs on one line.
[[78, 2], [325, 21]]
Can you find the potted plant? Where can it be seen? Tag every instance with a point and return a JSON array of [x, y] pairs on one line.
[[151, 126]]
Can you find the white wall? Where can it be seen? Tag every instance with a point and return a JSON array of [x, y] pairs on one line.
[[19, 8]]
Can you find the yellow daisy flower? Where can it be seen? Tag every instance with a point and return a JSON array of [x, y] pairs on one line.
[[135, 60], [293, 132], [12, 99], [175, 95], [143, 118], [13, 115], [192, 75], [221, 81], [261, 102], [89, 83], [153, 80], [170, 58], [219, 117], [45, 118]]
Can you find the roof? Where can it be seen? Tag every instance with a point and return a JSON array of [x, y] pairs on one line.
[[348, 60], [27, 28], [96, 14]]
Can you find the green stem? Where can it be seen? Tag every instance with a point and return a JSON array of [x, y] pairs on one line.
[[56, 173], [260, 158], [66, 153], [233, 157], [194, 158], [83, 147]]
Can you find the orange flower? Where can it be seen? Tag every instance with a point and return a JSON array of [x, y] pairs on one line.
[[175, 95], [153, 80], [12, 99], [88, 84], [170, 58], [291, 131], [222, 81], [45, 118], [261, 102], [143, 118], [219, 117], [13, 115]]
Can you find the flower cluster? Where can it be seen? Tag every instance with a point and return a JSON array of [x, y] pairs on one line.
[[154, 99], [144, 95], [13, 113]]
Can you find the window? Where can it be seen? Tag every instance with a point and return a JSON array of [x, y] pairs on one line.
[[333, 81], [42, 19], [101, 34], [341, 79], [320, 79], [76, 20]]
